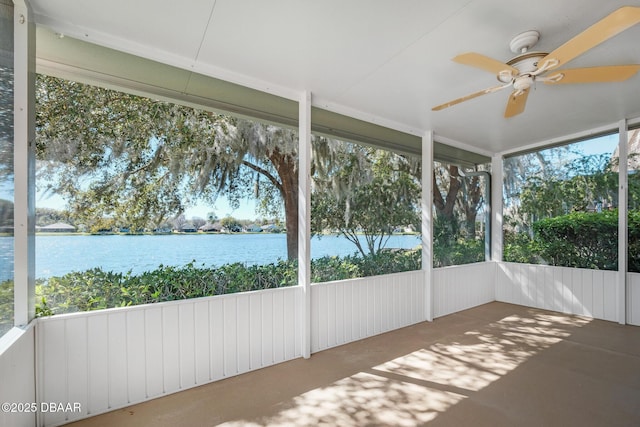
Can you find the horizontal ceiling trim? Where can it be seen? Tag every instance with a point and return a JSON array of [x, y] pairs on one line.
[[93, 64]]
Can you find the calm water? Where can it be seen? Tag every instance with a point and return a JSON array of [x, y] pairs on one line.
[[58, 255]]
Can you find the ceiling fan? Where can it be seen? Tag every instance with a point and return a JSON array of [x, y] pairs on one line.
[[527, 68]]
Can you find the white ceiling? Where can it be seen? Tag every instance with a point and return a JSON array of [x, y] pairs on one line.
[[383, 61]]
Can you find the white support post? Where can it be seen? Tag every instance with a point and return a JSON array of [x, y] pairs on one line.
[[497, 183], [304, 217], [427, 222], [24, 164], [623, 206]]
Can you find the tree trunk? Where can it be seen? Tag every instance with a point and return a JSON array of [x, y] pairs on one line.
[[287, 168]]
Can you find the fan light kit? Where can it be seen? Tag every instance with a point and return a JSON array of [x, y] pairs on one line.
[[529, 67]]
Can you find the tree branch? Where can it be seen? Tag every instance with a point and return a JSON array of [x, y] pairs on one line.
[[265, 173]]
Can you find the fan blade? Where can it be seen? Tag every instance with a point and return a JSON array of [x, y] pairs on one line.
[[603, 30], [515, 104], [468, 97], [485, 63], [614, 73]]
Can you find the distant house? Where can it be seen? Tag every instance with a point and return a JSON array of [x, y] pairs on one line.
[[58, 227], [272, 228], [188, 228], [211, 228], [253, 228], [162, 230]]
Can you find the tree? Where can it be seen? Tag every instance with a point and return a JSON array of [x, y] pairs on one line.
[[6, 124], [360, 191], [198, 222], [142, 161], [230, 223]]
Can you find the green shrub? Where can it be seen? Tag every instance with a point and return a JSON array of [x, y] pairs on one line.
[[579, 239], [97, 289], [6, 306]]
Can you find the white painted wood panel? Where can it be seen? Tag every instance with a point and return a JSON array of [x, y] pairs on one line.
[[568, 290], [109, 359], [633, 298], [461, 287], [349, 310], [17, 374]]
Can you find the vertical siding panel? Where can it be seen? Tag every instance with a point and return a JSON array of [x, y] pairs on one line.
[[230, 335], [547, 301], [576, 279], [136, 359], [98, 351], [77, 381], [532, 296], [357, 310], [243, 331], [117, 359], [315, 318], [267, 329], [340, 314], [348, 310], [374, 312], [501, 277], [170, 348], [289, 323], [598, 294], [216, 338], [331, 315], [187, 348], [278, 327], [153, 351], [323, 333], [609, 284], [55, 372], [557, 289], [370, 286], [202, 339], [299, 321], [255, 330], [633, 315], [587, 292]]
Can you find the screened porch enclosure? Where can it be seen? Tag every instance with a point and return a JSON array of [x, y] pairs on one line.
[[450, 343]]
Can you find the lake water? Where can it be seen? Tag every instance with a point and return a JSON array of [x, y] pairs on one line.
[[58, 255]]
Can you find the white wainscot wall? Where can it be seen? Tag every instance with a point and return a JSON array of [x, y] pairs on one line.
[[17, 373], [583, 292], [353, 309], [113, 358], [461, 287], [633, 298]]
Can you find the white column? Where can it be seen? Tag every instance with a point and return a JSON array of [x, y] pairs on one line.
[[623, 206], [304, 218], [497, 183], [24, 164], [427, 222]]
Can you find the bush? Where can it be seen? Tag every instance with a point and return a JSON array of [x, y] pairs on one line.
[[6, 306], [97, 289], [579, 240]]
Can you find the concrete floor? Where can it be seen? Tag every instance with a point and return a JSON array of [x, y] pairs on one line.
[[494, 365]]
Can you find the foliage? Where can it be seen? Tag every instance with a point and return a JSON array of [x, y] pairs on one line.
[[137, 162], [6, 306], [579, 239], [97, 289], [6, 124], [363, 194], [452, 248]]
